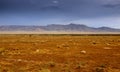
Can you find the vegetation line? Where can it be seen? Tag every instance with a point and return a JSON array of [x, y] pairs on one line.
[[64, 34]]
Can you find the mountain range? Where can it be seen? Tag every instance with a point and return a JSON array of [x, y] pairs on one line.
[[59, 28]]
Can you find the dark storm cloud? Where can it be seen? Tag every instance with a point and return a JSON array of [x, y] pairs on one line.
[[37, 4], [80, 8], [63, 10]]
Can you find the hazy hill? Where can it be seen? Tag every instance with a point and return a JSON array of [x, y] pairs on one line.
[[56, 27]]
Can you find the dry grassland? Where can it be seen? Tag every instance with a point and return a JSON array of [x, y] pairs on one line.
[[59, 53]]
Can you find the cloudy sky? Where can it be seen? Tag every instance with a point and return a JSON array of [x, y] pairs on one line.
[[94, 13]]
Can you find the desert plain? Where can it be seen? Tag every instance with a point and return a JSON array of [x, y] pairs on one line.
[[59, 53]]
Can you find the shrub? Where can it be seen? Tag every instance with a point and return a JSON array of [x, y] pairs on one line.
[[44, 70], [2, 50], [51, 64], [99, 69], [81, 65]]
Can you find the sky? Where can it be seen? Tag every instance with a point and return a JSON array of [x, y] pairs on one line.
[[94, 13]]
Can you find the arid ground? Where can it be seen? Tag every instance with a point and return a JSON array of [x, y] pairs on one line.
[[59, 53]]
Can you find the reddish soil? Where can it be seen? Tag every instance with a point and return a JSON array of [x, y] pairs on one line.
[[47, 53]]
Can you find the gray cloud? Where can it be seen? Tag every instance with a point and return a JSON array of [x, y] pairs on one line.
[[69, 8], [112, 5]]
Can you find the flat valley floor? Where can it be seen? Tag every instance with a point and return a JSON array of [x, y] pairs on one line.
[[59, 53]]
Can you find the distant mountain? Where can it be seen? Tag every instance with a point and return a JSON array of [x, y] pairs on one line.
[[18, 28], [56, 27]]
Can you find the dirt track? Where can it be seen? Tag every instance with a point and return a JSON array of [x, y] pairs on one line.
[[40, 53]]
